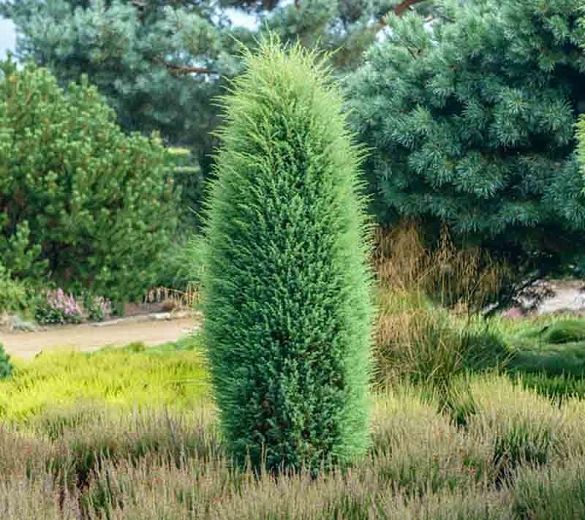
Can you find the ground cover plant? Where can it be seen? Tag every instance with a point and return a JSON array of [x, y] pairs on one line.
[[287, 294], [101, 448]]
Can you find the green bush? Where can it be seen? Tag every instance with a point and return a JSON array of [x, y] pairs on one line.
[[287, 298], [81, 201], [5, 364], [13, 294], [182, 267], [565, 331]]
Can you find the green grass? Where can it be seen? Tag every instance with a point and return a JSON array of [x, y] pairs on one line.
[[169, 375], [131, 433], [546, 345]]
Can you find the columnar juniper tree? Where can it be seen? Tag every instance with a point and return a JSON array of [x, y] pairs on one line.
[[287, 300]]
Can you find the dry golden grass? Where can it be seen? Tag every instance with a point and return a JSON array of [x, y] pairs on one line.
[[427, 299]]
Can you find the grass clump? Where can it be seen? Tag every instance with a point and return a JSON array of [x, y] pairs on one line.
[[120, 378], [286, 287], [428, 328], [565, 331], [555, 492]]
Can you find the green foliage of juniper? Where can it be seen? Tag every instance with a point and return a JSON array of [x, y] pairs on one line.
[[287, 297], [80, 201], [472, 120]]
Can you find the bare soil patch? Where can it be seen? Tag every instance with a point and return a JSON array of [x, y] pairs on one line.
[[89, 337]]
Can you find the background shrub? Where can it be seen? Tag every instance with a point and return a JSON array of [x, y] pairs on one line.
[[183, 264], [13, 293], [81, 201], [5, 364], [286, 299]]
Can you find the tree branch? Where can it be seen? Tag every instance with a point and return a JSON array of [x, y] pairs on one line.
[[398, 10], [180, 70], [403, 6]]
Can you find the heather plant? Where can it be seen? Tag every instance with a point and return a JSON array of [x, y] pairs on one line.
[[286, 288], [97, 308], [58, 307], [133, 433]]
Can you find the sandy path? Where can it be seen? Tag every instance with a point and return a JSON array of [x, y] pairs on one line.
[[89, 337]]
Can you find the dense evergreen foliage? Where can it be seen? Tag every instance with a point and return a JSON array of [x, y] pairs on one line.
[[80, 201], [471, 121], [581, 143], [287, 299], [138, 54], [161, 63]]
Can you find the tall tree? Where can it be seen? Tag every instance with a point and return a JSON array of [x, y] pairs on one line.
[[160, 63], [471, 121], [286, 297]]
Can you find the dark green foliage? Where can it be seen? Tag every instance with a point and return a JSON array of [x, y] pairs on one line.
[[5, 364], [553, 360], [188, 179], [80, 201], [472, 121], [485, 348], [137, 54], [555, 348], [183, 264], [555, 387], [160, 63], [287, 298], [13, 293]]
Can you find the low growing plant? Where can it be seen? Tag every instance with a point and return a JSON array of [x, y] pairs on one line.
[[58, 307], [5, 363], [97, 308]]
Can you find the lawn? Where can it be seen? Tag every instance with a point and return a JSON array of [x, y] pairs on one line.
[[132, 434]]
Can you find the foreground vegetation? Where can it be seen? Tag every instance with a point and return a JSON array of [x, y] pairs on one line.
[[132, 434]]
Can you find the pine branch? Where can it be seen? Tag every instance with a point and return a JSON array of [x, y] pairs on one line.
[[398, 10], [403, 6], [180, 70]]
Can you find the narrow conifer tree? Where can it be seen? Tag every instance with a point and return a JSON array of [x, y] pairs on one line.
[[287, 292]]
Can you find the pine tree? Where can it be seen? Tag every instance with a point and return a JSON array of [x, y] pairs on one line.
[[161, 63], [472, 120], [80, 201], [286, 288]]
